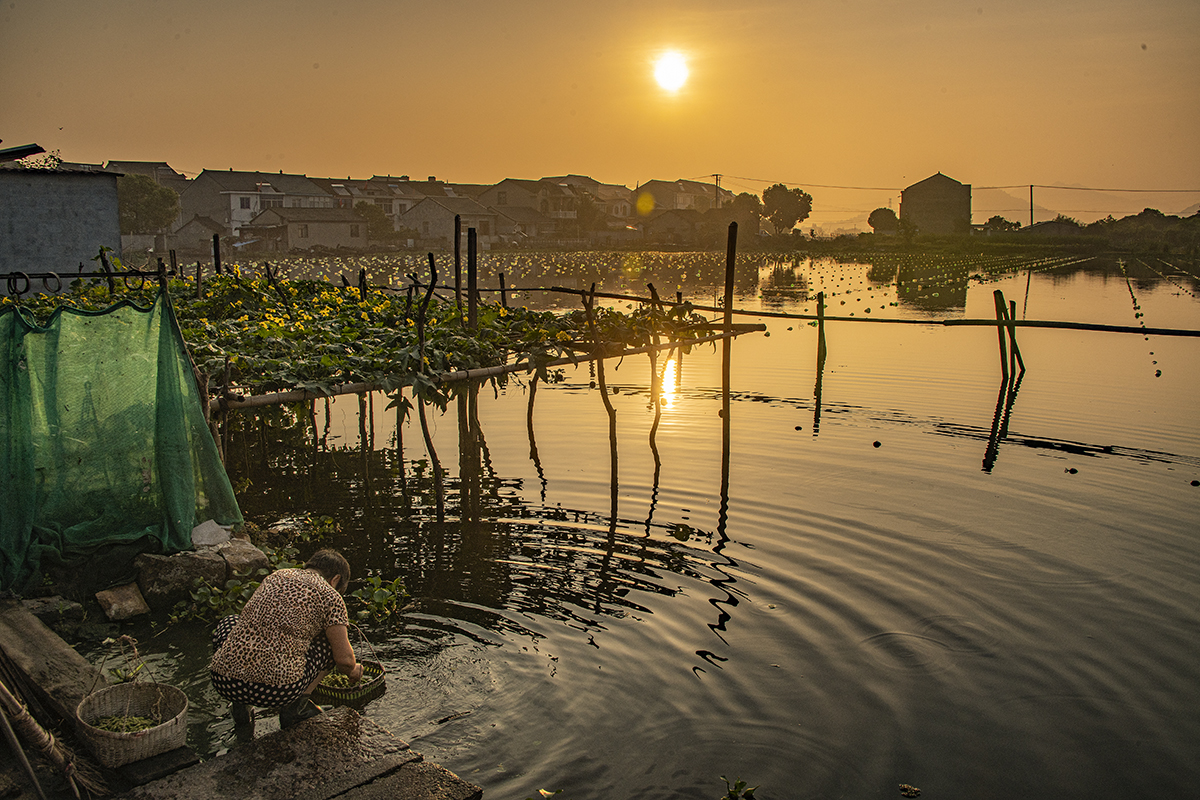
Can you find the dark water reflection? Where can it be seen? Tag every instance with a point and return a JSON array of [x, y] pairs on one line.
[[879, 563]]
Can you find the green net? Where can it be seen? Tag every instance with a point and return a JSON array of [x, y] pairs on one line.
[[103, 439]]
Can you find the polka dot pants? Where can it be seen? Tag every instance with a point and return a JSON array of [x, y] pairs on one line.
[[235, 690]]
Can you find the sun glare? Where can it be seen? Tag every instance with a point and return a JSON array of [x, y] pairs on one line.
[[671, 71]]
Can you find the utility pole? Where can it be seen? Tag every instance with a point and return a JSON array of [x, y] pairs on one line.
[[717, 190], [1031, 204]]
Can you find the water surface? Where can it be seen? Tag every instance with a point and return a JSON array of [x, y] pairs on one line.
[[930, 576]]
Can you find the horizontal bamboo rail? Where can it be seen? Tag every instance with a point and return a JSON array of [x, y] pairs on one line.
[[1079, 326], [302, 395]]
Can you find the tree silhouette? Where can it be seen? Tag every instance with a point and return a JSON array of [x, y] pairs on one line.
[[590, 214], [143, 206], [1000, 224], [379, 225], [746, 206], [883, 220], [786, 207]]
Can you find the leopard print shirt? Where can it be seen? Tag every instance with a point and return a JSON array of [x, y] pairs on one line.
[[289, 609]]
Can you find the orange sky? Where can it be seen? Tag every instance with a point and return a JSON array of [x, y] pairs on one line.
[[876, 93]]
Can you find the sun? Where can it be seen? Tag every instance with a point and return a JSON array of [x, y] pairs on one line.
[[671, 71]]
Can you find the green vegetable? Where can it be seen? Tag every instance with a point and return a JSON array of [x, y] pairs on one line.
[[336, 680], [125, 724]]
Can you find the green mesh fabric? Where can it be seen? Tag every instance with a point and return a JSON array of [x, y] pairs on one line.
[[102, 439]]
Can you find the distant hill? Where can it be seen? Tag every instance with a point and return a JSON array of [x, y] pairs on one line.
[[1085, 205]]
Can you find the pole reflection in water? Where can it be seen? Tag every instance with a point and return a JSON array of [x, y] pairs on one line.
[[533, 451], [434, 464], [397, 401], [1009, 386], [726, 581], [656, 383], [469, 461], [366, 422], [821, 353]]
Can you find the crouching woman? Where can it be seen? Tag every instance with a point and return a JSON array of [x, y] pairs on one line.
[[291, 633]]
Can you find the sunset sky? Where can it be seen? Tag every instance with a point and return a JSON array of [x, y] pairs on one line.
[[860, 93]]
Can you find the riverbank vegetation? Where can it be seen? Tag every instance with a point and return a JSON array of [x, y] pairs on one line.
[[264, 333]]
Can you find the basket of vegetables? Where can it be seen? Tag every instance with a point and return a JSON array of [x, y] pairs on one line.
[[131, 721], [335, 688]]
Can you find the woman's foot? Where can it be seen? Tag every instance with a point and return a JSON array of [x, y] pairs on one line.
[[243, 715], [298, 711]]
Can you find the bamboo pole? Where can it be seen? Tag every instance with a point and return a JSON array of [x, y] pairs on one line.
[[588, 308], [726, 368], [1082, 326], [234, 403], [472, 278], [1012, 334], [822, 353], [1001, 312], [821, 350], [19, 752], [457, 265], [76, 774]]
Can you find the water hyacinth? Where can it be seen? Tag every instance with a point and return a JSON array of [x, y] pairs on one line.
[[275, 334]]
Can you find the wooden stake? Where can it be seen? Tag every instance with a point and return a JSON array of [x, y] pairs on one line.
[[726, 368], [112, 285], [1001, 312], [458, 265], [821, 351], [472, 277], [1012, 333]]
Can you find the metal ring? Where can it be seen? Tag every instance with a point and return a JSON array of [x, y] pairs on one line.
[[12, 283], [57, 282], [125, 279]]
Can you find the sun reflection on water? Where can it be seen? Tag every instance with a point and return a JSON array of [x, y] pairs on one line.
[[669, 385]]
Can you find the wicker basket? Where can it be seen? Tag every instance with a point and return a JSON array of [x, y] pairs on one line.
[[154, 700], [371, 686]]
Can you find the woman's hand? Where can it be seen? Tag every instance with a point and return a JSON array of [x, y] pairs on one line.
[[343, 653]]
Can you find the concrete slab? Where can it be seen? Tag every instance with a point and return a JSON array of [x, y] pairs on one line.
[[417, 780], [151, 769], [337, 754]]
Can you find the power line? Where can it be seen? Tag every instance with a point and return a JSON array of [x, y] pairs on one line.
[[818, 185], [973, 188], [1091, 189]]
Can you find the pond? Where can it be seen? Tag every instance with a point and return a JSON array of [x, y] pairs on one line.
[[895, 569]]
